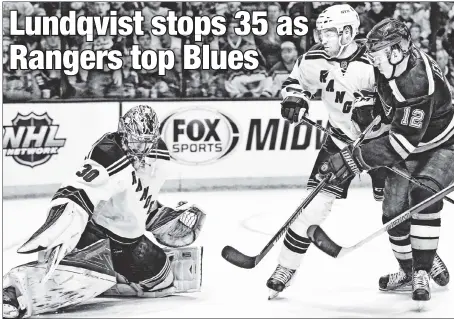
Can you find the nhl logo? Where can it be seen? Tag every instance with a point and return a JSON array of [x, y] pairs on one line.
[[344, 65], [31, 140]]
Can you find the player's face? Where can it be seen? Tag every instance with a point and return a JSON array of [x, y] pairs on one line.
[[138, 147], [380, 60], [329, 38]]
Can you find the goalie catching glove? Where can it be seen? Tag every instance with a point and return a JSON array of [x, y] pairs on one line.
[[177, 227], [343, 165]]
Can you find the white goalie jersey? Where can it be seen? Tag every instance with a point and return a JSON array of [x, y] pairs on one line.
[[338, 79], [114, 194]]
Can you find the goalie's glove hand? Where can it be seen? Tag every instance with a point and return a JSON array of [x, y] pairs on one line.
[[182, 230], [343, 165], [293, 108]]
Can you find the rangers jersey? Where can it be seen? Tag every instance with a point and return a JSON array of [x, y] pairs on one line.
[[418, 104], [338, 80], [116, 195]]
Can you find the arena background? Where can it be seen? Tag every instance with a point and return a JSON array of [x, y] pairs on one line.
[[223, 129]]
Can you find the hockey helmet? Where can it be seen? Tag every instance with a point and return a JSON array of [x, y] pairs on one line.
[[140, 131], [338, 17], [392, 34]]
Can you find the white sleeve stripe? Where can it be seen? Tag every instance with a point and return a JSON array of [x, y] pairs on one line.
[[396, 91], [404, 142], [401, 249], [425, 231], [399, 237], [403, 256], [398, 147], [117, 163], [430, 76]]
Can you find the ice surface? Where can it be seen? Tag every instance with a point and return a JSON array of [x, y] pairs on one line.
[[324, 287]]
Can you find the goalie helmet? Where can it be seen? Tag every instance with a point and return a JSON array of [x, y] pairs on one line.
[[391, 35], [338, 17], [140, 131]]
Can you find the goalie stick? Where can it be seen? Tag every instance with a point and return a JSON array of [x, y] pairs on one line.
[[394, 169], [328, 246], [237, 258]]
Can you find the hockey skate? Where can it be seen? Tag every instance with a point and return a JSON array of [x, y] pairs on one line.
[[421, 287], [279, 280], [439, 272], [12, 307], [396, 282]]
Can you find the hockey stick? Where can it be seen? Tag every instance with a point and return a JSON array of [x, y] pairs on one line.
[[239, 259], [328, 246], [394, 169]]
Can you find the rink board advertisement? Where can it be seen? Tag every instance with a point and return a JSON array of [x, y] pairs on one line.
[[225, 139], [208, 140], [43, 143]]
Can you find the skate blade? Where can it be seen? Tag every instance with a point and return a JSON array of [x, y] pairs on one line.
[[406, 288], [273, 294]]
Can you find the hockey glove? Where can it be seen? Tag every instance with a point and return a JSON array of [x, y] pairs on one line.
[[177, 227], [343, 165], [363, 112], [294, 108]]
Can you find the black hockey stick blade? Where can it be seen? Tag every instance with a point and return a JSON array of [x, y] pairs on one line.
[[322, 241], [328, 246], [237, 258]]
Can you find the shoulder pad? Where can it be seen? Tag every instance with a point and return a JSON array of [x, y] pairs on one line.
[[161, 152], [416, 80], [107, 150], [316, 52]]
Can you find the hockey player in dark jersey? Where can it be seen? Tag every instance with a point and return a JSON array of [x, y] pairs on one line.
[[416, 100], [93, 241]]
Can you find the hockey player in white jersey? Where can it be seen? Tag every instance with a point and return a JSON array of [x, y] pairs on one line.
[[93, 241], [338, 66]]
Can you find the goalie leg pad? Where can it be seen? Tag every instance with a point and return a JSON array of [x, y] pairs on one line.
[[79, 277], [186, 264], [182, 274]]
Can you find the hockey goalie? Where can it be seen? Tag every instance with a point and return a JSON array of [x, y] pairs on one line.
[[93, 241]]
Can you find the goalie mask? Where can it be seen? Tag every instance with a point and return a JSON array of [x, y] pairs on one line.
[[388, 44], [140, 131], [331, 25]]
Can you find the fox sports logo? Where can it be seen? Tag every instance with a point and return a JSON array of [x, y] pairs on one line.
[[199, 136]]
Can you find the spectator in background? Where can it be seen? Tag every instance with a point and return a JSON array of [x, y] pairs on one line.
[[443, 60], [281, 70], [150, 10], [421, 16], [130, 78], [448, 38], [151, 84], [377, 12], [232, 8], [366, 24], [269, 43], [406, 11], [24, 84], [417, 39]]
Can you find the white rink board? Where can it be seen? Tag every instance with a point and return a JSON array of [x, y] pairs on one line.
[[215, 144], [76, 125]]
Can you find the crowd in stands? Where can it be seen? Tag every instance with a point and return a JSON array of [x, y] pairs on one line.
[[277, 54]]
